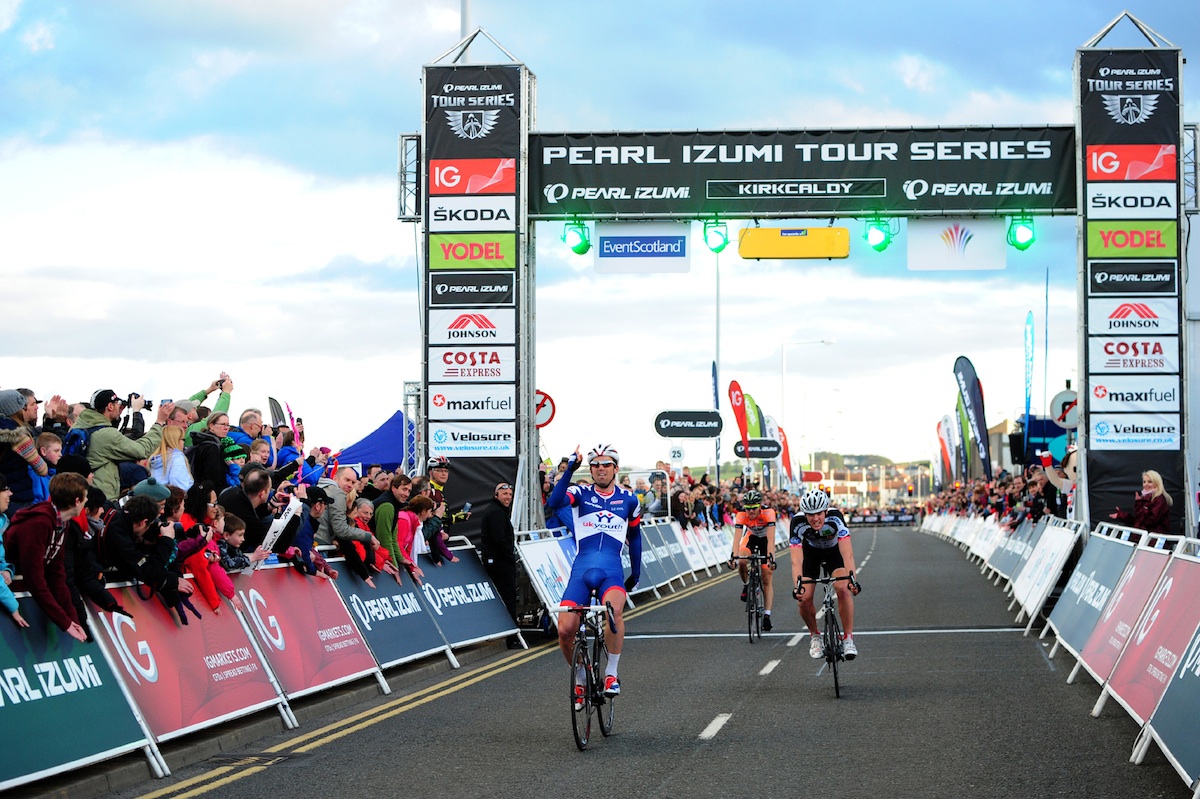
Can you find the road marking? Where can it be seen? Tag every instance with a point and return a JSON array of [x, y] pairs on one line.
[[715, 726], [770, 667], [798, 637]]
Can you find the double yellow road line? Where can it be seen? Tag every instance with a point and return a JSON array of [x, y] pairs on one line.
[[303, 743]]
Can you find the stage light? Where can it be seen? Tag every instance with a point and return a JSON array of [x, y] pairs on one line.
[[716, 235], [576, 236], [879, 232], [1021, 233]]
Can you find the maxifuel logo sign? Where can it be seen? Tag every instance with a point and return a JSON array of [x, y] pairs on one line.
[[472, 402], [1134, 394], [1132, 239], [473, 251]]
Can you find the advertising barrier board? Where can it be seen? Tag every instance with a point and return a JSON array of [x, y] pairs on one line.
[[1088, 590], [390, 616], [463, 601]]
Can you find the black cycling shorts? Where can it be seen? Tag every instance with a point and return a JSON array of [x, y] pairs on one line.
[[815, 558], [757, 544]]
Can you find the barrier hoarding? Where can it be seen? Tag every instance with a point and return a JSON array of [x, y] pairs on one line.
[[1173, 724], [391, 618], [548, 564], [1036, 580], [462, 600], [52, 685], [1112, 630], [1159, 641], [1007, 554], [186, 677], [1088, 590], [305, 631]]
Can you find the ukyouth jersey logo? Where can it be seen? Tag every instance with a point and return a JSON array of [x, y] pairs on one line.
[[472, 124], [1130, 109]]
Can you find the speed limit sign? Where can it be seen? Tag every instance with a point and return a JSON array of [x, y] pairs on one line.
[[676, 454]]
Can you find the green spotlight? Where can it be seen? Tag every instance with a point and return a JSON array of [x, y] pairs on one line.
[[716, 235], [575, 235], [1021, 233], [878, 233]]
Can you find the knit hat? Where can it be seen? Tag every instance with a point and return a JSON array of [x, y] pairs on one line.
[[153, 489], [74, 464], [233, 450], [11, 401]]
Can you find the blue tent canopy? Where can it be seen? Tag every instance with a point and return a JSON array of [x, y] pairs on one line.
[[392, 445]]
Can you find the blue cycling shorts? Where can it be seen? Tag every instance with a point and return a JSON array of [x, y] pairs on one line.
[[599, 570]]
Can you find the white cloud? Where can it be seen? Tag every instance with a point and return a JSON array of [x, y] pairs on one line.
[[917, 73], [8, 13], [38, 36], [210, 69]]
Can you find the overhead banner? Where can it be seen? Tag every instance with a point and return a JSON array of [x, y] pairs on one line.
[[1131, 194], [797, 173], [971, 393]]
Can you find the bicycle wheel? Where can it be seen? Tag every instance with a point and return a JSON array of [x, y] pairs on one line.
[[581, 716], [605, 705], [833, 648]]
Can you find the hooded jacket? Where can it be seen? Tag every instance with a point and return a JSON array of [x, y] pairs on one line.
[[107, 447], [35, 542]]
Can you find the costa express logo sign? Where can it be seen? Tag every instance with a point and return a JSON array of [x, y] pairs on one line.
[[473, 176], [1131, 162], [473, 251], [1132, 239]]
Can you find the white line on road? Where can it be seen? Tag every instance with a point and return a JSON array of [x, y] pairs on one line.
[[857, 633], [715, 726], [770, 667]]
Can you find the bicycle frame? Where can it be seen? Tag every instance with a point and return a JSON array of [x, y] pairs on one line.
[[589, 655], [755, 599], [831, 632]]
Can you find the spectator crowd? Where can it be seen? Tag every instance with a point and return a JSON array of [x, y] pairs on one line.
[[90, 495]]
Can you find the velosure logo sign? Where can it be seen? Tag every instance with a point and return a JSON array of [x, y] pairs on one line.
[[473, 251]]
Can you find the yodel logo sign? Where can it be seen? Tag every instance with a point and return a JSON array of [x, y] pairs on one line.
[[1132, 239], [688, 424], [760, 449], [472, 251]]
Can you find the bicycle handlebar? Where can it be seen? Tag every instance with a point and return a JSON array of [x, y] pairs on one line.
[[582, 609], [823, 580]]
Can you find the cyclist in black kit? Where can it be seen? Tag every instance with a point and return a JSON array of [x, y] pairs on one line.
[[820, 539]]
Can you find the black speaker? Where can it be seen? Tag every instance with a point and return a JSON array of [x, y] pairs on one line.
[[1016, 448]]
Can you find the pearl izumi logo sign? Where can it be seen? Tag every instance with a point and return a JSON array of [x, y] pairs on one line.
[[472, 288]]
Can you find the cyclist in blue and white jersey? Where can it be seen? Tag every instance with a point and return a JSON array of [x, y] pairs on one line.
[[818, 540], [606, 517]]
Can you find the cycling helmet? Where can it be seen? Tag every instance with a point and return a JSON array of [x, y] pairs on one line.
[[751, 499], [814, 501], [601, 450], [438, 462]]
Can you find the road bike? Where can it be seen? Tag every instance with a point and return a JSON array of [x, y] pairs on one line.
[[755, 598], [831, 634], [589, 656]]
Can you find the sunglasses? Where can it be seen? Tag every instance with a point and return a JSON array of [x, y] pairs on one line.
[[602, 463], [503, 486]]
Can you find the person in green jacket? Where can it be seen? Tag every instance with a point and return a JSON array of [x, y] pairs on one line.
[[224, 384], [107, 446]]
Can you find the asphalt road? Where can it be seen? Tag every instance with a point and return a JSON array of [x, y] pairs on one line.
[[947, 699]]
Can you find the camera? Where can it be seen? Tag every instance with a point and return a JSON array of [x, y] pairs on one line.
[[149, 406]]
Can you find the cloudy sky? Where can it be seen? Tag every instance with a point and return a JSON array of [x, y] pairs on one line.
[[187, 187]]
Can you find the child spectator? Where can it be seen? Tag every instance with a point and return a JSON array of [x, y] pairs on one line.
[[50, 449], [168, 464], [229, 547], [235, 458], [206, 568]]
